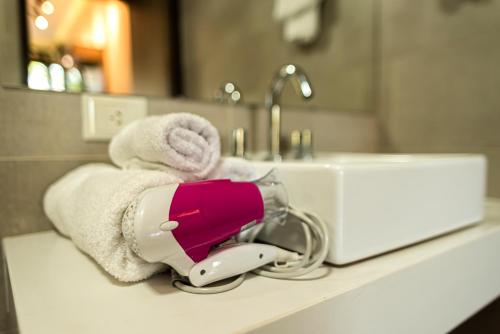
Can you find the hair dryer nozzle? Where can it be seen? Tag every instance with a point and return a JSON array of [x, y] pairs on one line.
[[274, 196]]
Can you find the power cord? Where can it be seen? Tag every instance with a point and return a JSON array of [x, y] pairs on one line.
[[317, 245]]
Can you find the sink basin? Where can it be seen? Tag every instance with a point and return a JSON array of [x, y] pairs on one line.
[[374, 203]]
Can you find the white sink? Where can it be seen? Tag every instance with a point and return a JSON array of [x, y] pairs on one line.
[[374, 203]]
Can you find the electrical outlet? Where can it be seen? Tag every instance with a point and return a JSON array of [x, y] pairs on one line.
[[104, 116]]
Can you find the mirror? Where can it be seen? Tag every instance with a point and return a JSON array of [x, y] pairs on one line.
[[83, 46], [242, 42], [189, 48], [105, 46]]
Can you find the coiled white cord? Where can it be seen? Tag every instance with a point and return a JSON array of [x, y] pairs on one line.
[[316, 249]]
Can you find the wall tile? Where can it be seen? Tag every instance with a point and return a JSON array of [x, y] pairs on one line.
[[332, 131], [21, 192], [42, 123], [439, 78], [454, 102], [409, 26]]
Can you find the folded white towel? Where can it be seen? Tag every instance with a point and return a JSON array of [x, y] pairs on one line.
[[88, 205], [182, 144]]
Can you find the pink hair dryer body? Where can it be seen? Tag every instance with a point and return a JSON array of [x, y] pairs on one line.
[[184, 225]]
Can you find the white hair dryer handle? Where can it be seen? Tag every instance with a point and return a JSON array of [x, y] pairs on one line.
[[231, 260]]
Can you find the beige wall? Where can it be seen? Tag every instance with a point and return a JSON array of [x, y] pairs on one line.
[[440, 78], [237, 40], [332, 131]]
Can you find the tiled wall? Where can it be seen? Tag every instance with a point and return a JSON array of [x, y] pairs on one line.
[[440, 78], [39, 140], [332, 131]]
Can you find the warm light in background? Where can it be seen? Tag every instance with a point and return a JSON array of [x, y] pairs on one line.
[[98, 30], [91, 40], [67, 61], [117, 57], [113, 16], [48, 8], [105, 24], [41, 23]]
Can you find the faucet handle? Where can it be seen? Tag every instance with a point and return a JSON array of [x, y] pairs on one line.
[[295, 144], [228, 93], [301, 145], [239, 143], [306, 144]]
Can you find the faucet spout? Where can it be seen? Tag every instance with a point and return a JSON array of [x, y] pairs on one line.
[[302, 86]]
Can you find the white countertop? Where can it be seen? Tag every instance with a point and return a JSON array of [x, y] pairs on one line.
[[429, 287]]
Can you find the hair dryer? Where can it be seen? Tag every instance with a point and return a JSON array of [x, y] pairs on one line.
[[190, 226]]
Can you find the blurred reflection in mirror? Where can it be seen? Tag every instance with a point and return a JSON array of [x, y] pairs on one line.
[[57, 78], [74, 81], [79, 45], [229, 93], [38, 76]]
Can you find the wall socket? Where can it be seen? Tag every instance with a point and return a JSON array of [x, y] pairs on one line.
[[104, 116]]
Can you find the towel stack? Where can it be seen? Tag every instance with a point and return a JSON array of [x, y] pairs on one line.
[[89, 203]]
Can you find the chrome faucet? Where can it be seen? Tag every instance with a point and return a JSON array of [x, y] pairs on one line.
[[302, 87]]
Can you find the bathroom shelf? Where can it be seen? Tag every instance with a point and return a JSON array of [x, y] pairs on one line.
[[429, 287]]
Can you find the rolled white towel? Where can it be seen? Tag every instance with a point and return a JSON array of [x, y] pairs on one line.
[[88, 205], [182, 144]]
